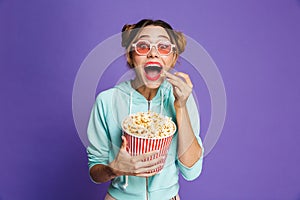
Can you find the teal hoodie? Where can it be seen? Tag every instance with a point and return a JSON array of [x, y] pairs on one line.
[[104, 134]]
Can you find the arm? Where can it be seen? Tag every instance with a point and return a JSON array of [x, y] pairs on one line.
[[102, 173], [124, 164], [189, 150], [101, 168]]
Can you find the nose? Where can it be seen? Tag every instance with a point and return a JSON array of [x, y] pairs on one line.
[[153, 52]]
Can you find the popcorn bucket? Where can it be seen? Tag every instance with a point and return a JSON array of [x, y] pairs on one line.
[[137, 145]]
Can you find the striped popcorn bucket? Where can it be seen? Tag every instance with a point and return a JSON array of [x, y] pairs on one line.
[[137, 145]]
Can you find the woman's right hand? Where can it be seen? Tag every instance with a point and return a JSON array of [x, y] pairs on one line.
[[125, 164]]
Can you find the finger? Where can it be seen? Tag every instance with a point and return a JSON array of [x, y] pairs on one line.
[[186, 78], [146, 170], [172, 76], [175, 83], [124, 142], [146, 174], [176, 80], [178, 92], [147, 155], [153, 162], [149, 165]]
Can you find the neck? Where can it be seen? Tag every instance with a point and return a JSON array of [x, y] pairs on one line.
[[148, 93]]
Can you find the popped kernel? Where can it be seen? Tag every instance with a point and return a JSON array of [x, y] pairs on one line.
[[149, 125]]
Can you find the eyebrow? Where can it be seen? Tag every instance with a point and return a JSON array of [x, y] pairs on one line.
[[147, 36]]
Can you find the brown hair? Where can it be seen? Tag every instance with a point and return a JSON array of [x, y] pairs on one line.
[[131, 31]]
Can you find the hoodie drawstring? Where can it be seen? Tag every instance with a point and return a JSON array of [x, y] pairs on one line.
[[124, 186], [162, 102], [130, 103]]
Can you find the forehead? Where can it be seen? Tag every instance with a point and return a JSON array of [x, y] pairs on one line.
[[153, 32]]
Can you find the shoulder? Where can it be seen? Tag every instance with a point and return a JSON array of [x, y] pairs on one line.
[[119, 91], [105, 95]]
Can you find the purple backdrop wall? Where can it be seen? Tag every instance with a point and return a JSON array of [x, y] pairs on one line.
[[255, 44]]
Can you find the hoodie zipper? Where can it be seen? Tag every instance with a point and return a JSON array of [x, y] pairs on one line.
[[149, 102], [147, 188]]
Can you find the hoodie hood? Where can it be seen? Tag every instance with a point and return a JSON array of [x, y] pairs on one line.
[[163, 89], [136, 99]]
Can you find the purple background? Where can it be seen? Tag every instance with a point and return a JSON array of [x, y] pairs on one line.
[[255, 44]]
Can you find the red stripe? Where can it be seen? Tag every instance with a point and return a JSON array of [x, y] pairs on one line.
[[136, 146]]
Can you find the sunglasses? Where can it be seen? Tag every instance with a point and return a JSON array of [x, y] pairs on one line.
[[143, 47]]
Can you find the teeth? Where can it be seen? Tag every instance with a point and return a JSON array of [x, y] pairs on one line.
[[153, 68], [153, 65]]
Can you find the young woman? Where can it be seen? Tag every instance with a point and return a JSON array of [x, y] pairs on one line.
[[152, 49]]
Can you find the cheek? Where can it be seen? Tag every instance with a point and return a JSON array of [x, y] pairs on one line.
[[137, 60], [170, 61]]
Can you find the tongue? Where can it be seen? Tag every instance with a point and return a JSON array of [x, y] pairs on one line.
[[152, 75]]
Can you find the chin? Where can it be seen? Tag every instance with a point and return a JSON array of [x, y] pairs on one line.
[[153, 84]]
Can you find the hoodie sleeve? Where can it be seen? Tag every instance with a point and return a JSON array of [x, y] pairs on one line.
[[97, 135], [191, 173]]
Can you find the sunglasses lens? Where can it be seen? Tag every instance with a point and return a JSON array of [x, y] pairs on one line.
[[164, 48], [142, 47]]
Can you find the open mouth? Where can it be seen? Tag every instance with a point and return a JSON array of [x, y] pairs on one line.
[[153, 70]]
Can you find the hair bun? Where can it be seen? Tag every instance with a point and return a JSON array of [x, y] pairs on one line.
[[181, 41], [126, 30]]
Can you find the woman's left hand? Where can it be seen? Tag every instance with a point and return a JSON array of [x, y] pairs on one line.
[[182, 87]]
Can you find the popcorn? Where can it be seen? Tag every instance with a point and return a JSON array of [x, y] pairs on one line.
[[149, 125], [146, 132], [163, 74]]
